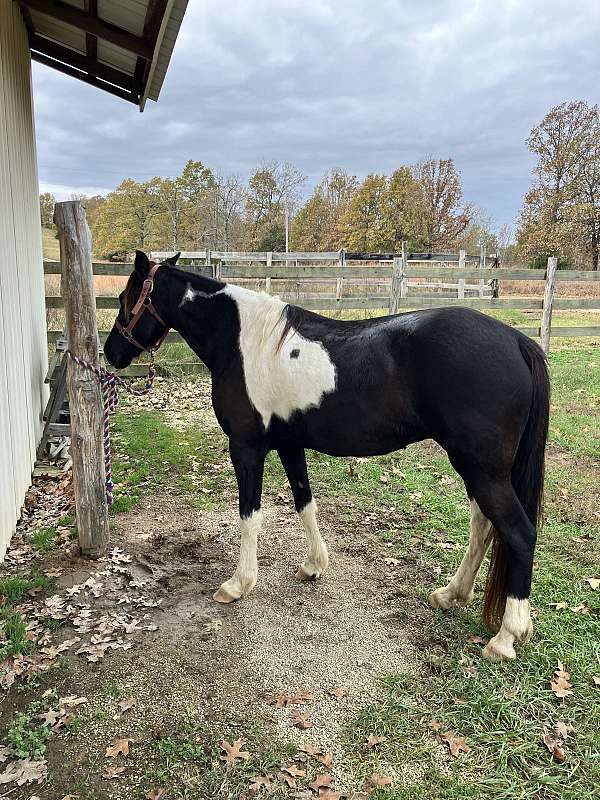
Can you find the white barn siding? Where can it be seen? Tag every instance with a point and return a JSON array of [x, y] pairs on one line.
[[23, 352]]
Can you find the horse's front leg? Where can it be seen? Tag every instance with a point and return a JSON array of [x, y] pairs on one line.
[[317, 559], [248, 463]]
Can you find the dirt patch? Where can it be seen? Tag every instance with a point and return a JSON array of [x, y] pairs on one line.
[[218, 662]]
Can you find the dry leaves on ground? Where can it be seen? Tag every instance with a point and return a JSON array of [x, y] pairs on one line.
[[112, 772], [321, 782], [378, 780], [456, 744], [555, 741], [25, 771], [285, 699], [118, 747], [593, 582], [155, 794], [234, 752], [298, 720], [338, 692], [373, 741], [560, 683]]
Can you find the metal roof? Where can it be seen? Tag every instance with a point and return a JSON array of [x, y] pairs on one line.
[[121, 46]]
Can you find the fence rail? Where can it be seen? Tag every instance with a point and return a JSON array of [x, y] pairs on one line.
[[401, 282]]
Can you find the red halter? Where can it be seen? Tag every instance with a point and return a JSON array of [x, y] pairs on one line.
[[144, 303]]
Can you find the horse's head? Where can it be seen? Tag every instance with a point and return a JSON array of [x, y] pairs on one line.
[[140, 326]]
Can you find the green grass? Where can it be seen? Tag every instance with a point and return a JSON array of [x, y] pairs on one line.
[[150, 454], [25, 734], [13, 627], [187, 760], [43, 539]]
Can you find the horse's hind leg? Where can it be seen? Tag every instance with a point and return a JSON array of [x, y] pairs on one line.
[[248, 464], [509, 582], [317, 559], [459, 590]]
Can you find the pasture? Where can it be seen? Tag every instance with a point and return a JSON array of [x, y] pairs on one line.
[[415, 712]]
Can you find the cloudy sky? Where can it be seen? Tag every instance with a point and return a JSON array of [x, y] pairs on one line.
[[366, 85]]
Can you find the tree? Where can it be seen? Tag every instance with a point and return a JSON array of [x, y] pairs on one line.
[[403, 210], [317, 225], [197, 183], [47, 202], [364, 220], [444, 216], [273, 190], [228, 194], [561, 211], [128, 219]]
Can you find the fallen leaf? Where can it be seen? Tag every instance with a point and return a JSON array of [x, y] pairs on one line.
[[234, 751], [25, 771], [380, 780], [291, 782], [373, 741], [477, 640], [126, 705], [563, 729], [392, 562], [294, 771], [456, 744], [298, 720], [596, 680], [310, 750], [593, 582], [321, 781], [260, 782], [112, 772], [554, 746], [118, 747], [156, 794], [559, 606], [560, 684], [329, 794], [337, 692]]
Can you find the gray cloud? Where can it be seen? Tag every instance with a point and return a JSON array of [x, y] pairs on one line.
[[362, 85]]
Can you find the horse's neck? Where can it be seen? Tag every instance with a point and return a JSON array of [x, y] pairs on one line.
[[220, 321]]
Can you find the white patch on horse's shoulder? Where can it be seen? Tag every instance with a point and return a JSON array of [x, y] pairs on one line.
[[191, 294], [277, 383]]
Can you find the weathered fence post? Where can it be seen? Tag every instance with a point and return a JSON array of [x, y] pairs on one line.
[[462, 255], [547, 308], [268, 272], [85, 398], [482, 259], [398, 290], [339, 284]]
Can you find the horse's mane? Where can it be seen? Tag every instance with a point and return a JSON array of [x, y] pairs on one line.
[[294, 317]]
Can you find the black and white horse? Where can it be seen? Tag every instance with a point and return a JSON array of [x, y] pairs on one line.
[[286, 379]]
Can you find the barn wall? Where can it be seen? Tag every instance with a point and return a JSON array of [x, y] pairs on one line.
[[23, 352]]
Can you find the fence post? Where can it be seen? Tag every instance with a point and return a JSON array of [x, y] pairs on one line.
[[482, 259], [339, 284], [398, 290], [547, 308], [85, 399], [460, 292], [404, 279], [268, 275]]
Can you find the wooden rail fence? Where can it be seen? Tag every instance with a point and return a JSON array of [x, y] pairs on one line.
[[359, 281]]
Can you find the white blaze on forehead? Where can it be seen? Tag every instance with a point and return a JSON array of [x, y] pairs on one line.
[[277, 384]]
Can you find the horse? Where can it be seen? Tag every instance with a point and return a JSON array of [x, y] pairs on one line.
[[287, 379]]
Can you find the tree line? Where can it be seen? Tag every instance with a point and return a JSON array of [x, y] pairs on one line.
[[199, 210], [421, 203]]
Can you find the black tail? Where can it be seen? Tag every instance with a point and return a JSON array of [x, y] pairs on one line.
[[527, 476]]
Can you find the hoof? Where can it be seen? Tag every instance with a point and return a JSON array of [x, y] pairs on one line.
[[498, 651], [223, 596], [303, 575], [439, 599]]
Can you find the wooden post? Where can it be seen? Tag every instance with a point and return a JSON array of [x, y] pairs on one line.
[[85, 399], [339, 284], [268, 278], [404, 279], [482, 259], [462, 255], [547, 308], [398, 289]]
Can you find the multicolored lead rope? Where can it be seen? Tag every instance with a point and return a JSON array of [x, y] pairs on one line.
[[109, 383]]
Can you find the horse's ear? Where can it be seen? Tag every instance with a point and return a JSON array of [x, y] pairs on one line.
[[173, 259], [142, 263]]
